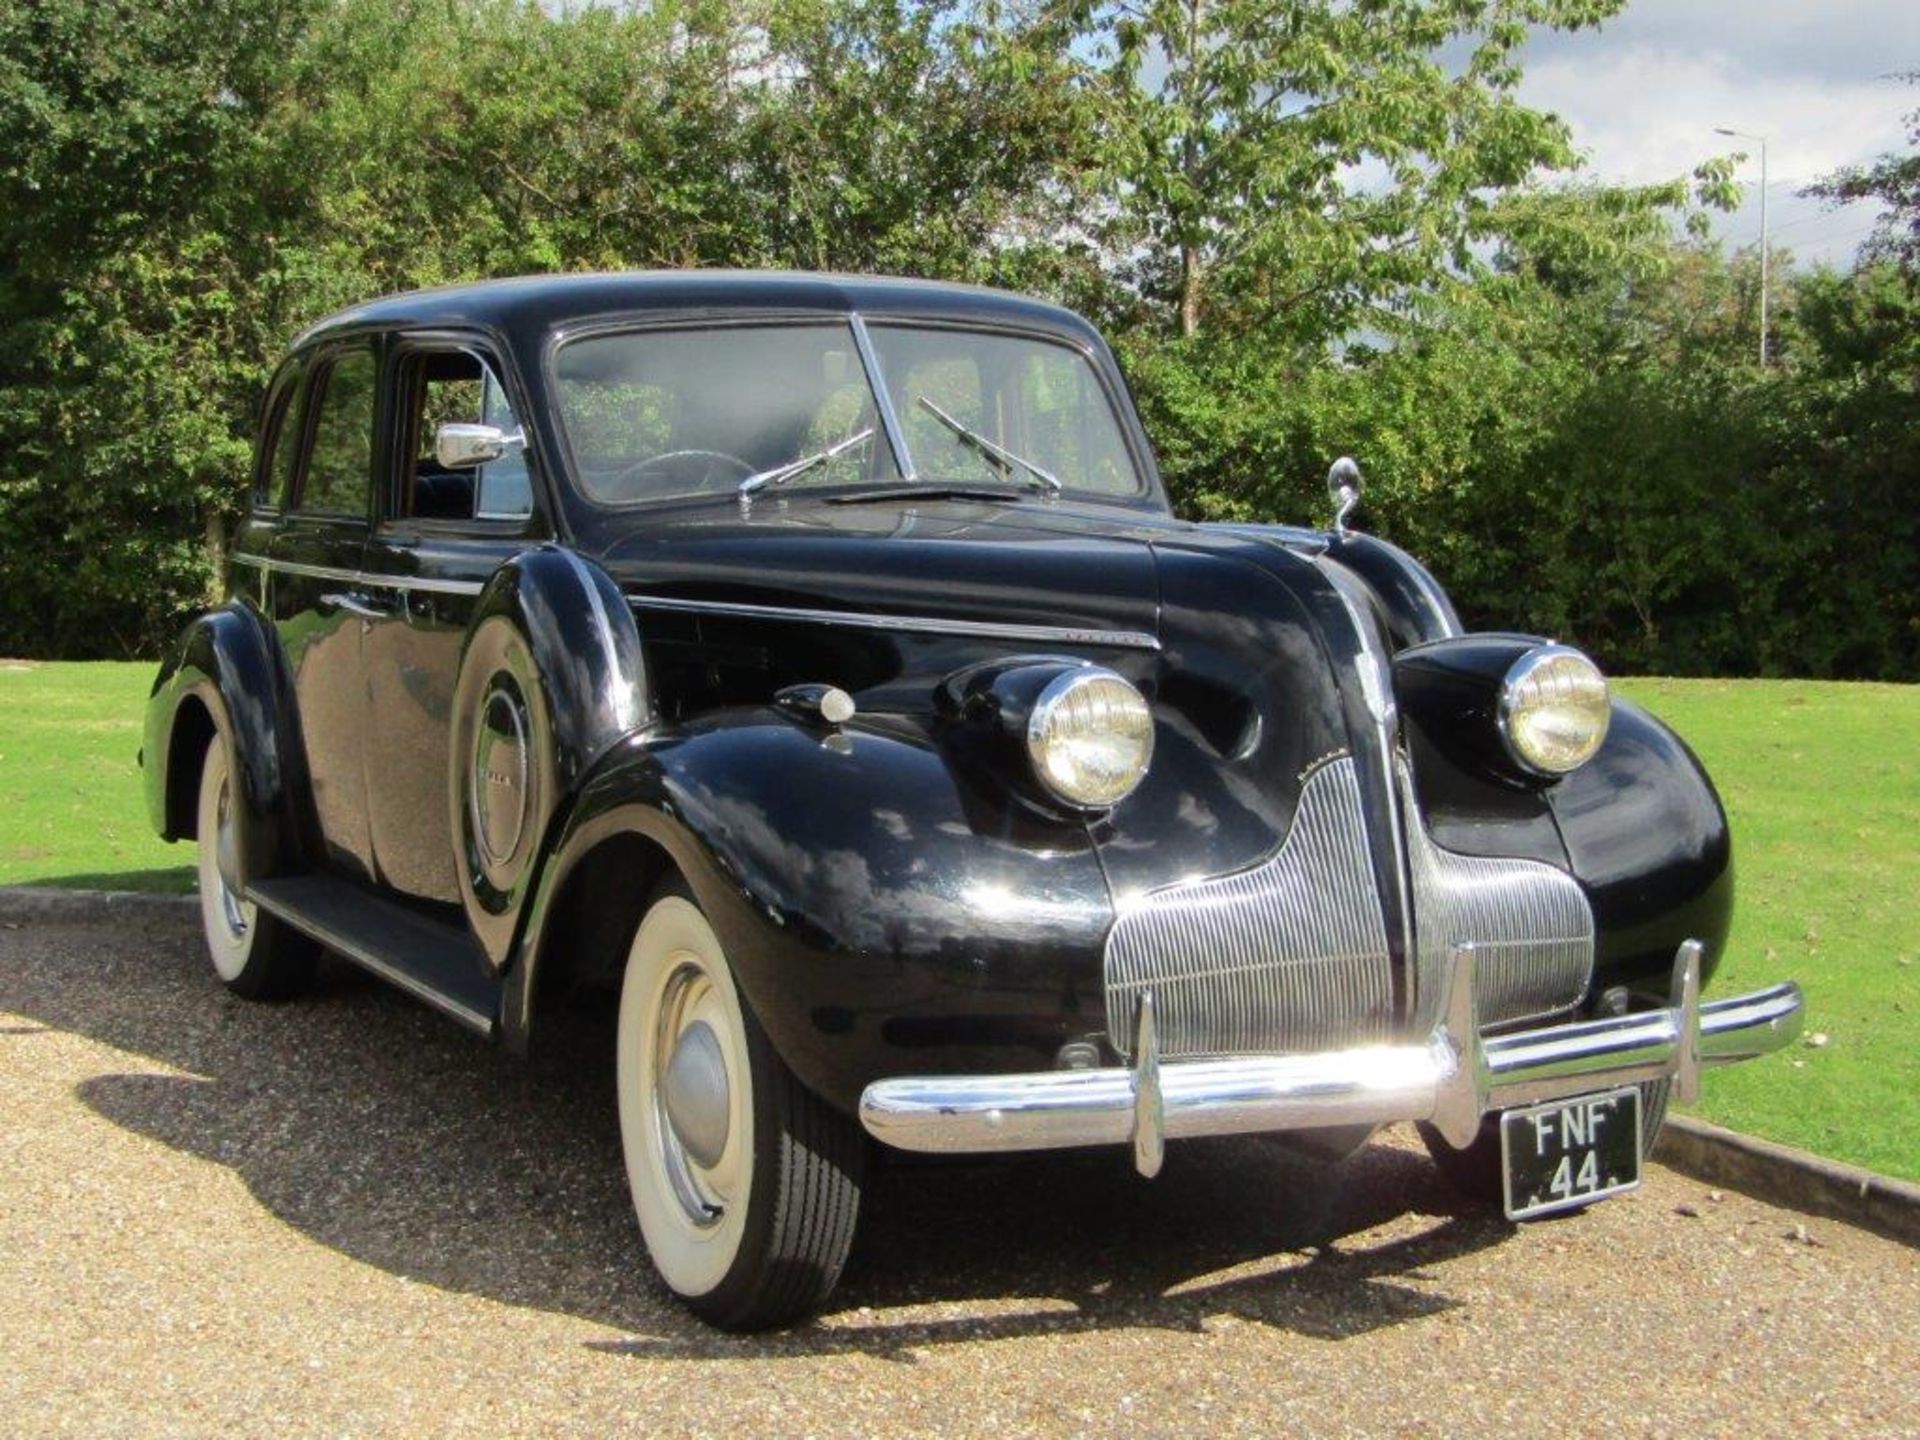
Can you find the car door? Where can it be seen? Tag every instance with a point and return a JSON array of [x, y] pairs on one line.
[[318, 605], [440, 534]]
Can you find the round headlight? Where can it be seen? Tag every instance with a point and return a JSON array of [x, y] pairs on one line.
[[1090, 735], [1554, 710]]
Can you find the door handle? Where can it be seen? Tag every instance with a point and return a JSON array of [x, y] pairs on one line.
[[353, 604]]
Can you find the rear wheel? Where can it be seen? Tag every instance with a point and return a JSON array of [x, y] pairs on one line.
[[746, 1185], [1475, 1171], [254, 954]]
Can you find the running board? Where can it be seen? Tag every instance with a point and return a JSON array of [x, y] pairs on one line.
[[429, 960]]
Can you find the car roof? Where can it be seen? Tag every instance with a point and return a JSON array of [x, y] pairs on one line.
[[546, 301]]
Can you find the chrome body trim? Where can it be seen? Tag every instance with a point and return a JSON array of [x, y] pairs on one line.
[[1149, 1104], [1289, 955], [1451, 1077], [1529, 922], [420, 584], [882, 397], [917, 624], [353, 605]]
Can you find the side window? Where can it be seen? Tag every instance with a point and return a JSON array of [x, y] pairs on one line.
[[340, 465], [273, 477], [458, 387]]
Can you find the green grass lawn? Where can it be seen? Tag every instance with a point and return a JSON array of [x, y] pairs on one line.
[[74, 813], [1822, 781]]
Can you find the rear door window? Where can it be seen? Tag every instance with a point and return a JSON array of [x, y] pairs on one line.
[[339, 476]]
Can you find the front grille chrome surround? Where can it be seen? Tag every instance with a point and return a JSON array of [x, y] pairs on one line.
[[1290, 955]]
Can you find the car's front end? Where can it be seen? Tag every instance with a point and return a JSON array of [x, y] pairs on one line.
[[1125, 829]]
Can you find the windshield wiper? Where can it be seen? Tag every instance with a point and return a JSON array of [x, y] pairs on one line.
[[929, 490], [780, 474], [1008, 460]]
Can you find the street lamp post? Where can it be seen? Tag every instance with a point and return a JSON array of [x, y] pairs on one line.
[[1742, 135]]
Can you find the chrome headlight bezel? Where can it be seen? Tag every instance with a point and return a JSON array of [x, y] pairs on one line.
[[1524, 695], [1116, 706]]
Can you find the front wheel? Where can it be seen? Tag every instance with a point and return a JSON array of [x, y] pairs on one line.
[[746, 1185], [1475, 1171], [254, 954]]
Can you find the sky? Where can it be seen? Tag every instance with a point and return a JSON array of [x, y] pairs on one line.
[[1644, 93]]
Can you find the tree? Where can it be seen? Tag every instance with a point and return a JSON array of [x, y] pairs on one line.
[[1317, 162], [1894, 181]]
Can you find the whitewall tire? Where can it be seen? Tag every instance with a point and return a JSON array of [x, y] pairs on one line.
[[254, 954], [746, 1185]]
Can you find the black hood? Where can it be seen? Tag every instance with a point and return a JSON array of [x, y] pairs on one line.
[[1257, 649], [990, 561]]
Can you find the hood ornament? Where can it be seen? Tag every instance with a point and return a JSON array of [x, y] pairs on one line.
[[1343, 488]]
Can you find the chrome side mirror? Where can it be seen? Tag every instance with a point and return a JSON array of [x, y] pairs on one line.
[[1343, 488], [461, 447]]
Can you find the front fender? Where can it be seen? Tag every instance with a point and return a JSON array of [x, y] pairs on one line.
[[226, 672], [881, 918], [1647, 836]]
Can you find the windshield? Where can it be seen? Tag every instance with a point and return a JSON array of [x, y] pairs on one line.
[[657, 414]]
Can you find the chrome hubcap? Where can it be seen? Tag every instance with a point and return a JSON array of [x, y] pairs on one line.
[[696, 1094], [226, 859], [693, 1098]]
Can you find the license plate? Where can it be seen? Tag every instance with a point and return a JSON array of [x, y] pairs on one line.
[[1570, 1152]]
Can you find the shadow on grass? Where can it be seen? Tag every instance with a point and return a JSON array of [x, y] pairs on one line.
[[168, 880], [370, 1125]]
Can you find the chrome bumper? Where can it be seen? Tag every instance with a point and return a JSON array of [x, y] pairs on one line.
[[1451, 1079]]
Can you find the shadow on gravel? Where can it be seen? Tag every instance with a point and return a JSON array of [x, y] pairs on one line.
[[373, 1127]]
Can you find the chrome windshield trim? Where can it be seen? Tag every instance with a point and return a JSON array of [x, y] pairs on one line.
[[415, 583], [916, 624], [882, 397]]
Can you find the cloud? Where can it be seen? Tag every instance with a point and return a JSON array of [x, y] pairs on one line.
[[1644, 94]]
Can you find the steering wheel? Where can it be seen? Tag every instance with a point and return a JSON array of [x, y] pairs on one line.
[[707, 477]]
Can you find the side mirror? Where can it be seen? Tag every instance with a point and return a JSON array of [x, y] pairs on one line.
[[461, 447], [1343, 488]]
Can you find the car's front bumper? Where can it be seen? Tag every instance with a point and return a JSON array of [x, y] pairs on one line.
[[1451, 1078]]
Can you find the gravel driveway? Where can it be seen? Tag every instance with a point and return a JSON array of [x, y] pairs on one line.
[[346, 1217]]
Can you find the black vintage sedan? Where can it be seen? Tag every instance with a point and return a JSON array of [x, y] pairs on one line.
[[815, 664]]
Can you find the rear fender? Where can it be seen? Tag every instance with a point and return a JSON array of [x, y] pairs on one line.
[[226, 674]]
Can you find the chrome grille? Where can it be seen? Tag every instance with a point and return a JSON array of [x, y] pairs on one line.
[[1529, 922], [1289, 955]]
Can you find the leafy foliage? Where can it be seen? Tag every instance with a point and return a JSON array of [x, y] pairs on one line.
[[1312, 227]]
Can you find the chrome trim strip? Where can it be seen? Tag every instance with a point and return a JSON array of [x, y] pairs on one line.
[[1375, 672], [919, 624], [882, 397], [422, 584], [1451, 1079]]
